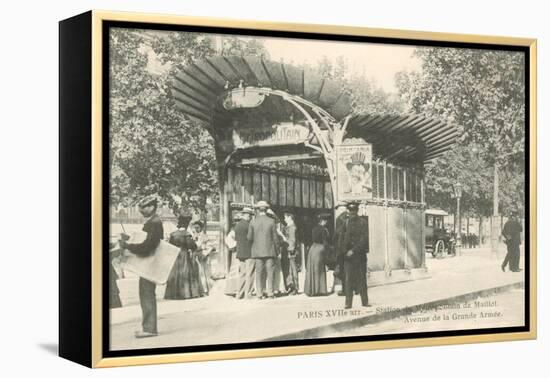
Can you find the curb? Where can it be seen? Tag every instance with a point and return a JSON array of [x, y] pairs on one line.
[[345, 325]]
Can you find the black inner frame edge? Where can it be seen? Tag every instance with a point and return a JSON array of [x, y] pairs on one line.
[[107, 25]]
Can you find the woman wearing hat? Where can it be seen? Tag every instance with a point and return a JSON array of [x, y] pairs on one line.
[[184, 281], [316, 278], [202, 254], [233, 264]]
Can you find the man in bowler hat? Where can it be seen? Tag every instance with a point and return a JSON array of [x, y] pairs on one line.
[[155, 232], [355, 246]]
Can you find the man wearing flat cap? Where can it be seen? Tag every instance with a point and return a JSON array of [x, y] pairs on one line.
[[511, 232], [354, 245], [262, 233], [147, 298]]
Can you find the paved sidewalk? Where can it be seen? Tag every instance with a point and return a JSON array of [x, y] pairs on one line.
[[220, 319]]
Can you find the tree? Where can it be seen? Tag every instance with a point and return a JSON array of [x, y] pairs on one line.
[[482, 92], [366, 96], [154, 148], [232, 45], [461, 165]]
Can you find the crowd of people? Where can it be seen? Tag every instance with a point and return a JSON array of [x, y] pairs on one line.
[[469, 240], [267, 257]]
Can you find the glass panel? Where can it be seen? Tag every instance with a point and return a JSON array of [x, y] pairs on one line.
[[328, 195], [305, 193], [282, 190], [312, 193], [413, 187], [298, 192], [238, 185], [395, 183], [290, 191], [247, 184], [389, 183], [381, 187], [257, 190], [265, 186], [401, 175], [274, 192], [374, 174]]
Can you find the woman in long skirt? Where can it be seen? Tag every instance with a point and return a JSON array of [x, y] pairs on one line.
[[232, 277], [184, 281], [316, 278]]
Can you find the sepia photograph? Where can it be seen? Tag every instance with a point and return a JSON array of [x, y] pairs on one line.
[[301, 189]]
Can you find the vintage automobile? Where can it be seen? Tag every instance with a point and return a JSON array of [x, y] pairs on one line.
[[439, 241]]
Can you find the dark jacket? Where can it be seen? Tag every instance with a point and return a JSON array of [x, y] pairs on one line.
[[512, 232], [155, 233], [319, 235], [183, 239], [356, 237], [241, 237], [339, 231], [262, 233]]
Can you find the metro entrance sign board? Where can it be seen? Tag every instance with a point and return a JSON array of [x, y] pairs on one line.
[[275, 135]]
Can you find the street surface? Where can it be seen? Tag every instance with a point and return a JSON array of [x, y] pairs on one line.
[[492, 311], [218, 318]]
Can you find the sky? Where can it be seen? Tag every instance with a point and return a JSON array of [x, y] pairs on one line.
[[378, 61]]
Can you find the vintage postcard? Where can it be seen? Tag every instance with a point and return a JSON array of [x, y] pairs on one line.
[[270, 189]]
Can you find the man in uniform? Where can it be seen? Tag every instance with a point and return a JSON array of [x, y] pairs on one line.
[[262, 233], [155, 233], [355, 246], [337, 242], [512, 237], [245, 283]]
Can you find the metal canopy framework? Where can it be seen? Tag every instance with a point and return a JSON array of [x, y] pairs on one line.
[[198, 86], [303, 95], [404, 136], [259, 111]]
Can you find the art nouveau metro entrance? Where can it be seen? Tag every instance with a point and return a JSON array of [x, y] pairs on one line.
[[285, 134]]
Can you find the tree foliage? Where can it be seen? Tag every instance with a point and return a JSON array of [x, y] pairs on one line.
[[154, 148], [365, 94], [461, 165], [483, 93]]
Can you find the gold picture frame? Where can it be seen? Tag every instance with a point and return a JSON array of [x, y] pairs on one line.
[[75, 271]]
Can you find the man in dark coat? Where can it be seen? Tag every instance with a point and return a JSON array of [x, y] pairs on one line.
[[155, 233], [355, 246], [512, 237], [245, 278], [337, 242], [262, 233], [114, 292]]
